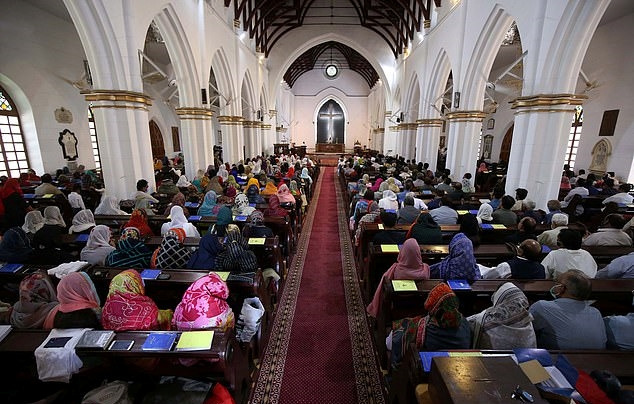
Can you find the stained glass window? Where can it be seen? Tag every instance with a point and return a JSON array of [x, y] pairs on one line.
[[13, 157], [574, 137], [93, 139]]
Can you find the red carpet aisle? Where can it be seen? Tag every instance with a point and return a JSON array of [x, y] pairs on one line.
[[320, 349]]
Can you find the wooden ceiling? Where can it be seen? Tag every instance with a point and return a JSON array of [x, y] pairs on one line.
[[396, 21], [327, 53]]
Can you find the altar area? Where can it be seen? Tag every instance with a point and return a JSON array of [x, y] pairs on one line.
[[330, 148]]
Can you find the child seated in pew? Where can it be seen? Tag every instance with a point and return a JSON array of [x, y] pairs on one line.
[[505, 325], [127, 308], [79, 305]]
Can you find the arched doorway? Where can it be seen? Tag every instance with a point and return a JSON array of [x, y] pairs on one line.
[[505, 150], [156, 137], [331, 123]]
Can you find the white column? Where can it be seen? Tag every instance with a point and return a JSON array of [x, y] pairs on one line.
[[408, 133], [540, 138], [196, 134], [233, 137], [428, 141], [124, 139], [462, 141]]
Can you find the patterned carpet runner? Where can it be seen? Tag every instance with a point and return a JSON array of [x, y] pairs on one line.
[[320, 350]]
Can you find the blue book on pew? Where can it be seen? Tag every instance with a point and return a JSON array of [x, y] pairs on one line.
[[426, 192], [240, 218], [11, 268], [191, 205], [546, 249], [29, 196], [194, 218], [486, 226], [458, 284], [426, 358], [82, 238], [159, 341], [150, 273], [390, 210], [252, 205], [473, 211]]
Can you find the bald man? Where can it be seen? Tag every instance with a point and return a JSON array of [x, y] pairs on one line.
[[525, 266]]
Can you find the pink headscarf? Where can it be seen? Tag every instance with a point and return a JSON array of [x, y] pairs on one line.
[[204, 305], [377, 184], [409, 265], [74, 292], [284, 194]]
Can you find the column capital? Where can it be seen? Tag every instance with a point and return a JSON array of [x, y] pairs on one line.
[[547, 102], [431, 122], [118, 99], [407, 126], [230, 120], [195, 113], [251, 124], [466, 116], [265, 126], [378, 130], [281, 129], [272, 113]]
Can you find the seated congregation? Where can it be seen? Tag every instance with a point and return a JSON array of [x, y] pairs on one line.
[[220, 222]]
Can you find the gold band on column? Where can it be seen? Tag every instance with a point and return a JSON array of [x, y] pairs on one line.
[[118, 99], [281, 129], [378, 130], [426, 123], [230, 120], [251, 124], [465, 116], [194, 113], [265, 126], [407, 126], [547, 103]]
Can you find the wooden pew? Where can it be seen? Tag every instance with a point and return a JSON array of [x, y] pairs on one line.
[[410, 373], [226, 361]]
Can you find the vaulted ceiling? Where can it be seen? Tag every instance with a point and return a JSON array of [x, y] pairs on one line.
[[328, 53], [396, 21]]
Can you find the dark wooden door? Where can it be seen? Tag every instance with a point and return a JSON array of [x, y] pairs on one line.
[[158, 148], [505, 150]]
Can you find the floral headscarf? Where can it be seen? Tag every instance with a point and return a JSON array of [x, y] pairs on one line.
[[138, 220], [128, 309], [274, 207], [284, 194], [241, 206], [37, 299], [204, 305]]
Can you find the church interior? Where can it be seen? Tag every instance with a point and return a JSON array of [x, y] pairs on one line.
[[342, 113]]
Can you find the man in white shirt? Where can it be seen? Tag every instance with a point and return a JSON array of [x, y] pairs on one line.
[[623, 197], [611, 235], [569, 256], [549, 237], [141, 192], [580, 189]]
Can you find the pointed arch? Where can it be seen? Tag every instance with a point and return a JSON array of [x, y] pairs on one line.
[[247, 96], [411, 103], [222, 72], [320, 105], [437, 84]]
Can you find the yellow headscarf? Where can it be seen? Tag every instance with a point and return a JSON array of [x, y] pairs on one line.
[[270, 189]]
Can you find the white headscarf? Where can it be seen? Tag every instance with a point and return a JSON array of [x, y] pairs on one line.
[[109, 206], [98, 246], [183, 182], [53, 216], [484, 213], [33, 221], [83, 220], [222, 172], [177, 216]]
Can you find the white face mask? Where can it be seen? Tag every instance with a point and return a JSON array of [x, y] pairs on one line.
[[552, 292]]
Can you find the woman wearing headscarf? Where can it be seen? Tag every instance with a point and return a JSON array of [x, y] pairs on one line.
[[443, 328], [231, 181], [109, 206], [485, 213], [223, 172], [138, 220], [274, 208], [253, 195], [389, 201], [131, 251], [15, 247], [79, 305], [172, 253], [467, 186], [33, 221], [177, 200], [209, 207], [183, 182], [255, 226], [505, 325], [236, 255], [377, 184], [98, 246], [469, 227], [223, 219], [179, 221], [270, 188], [294, 189], [409, 265], [205, 256], [425, 230], [204, 305], [127, 308], [306, 176], [253, 181], [49, 238], [460, 264], [37, 299], [14, 204], [284, 194], [241, 206], [215, 185], [83, 221]]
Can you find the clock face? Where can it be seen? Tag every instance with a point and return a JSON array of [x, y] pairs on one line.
[[331, 71]]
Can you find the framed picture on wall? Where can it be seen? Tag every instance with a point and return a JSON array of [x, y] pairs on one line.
[[491, 123], [487, 147]]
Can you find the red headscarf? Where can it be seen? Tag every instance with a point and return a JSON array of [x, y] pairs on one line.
[[284, 194], [274, 207], [10, 186], [139, 221]]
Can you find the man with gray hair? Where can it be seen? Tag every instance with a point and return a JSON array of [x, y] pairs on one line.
[[549, 237], [554, 206], [408, 213], [568, 322]]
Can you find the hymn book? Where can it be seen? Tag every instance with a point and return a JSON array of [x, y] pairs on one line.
[[389, 248], [195, 341], [404, 285], [222, 275], [159, 341], [257, 241], [95, 339]]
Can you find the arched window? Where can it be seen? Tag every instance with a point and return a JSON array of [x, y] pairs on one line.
[[574, 137], [13, 157], [93, 138]]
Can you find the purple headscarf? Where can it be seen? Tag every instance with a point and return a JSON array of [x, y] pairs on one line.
[[460, 264]]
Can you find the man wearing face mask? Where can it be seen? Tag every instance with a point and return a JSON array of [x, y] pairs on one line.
[[569, 255], [569, 322]]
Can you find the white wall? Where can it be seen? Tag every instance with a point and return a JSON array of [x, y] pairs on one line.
[[40, 58], [312, 89]]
